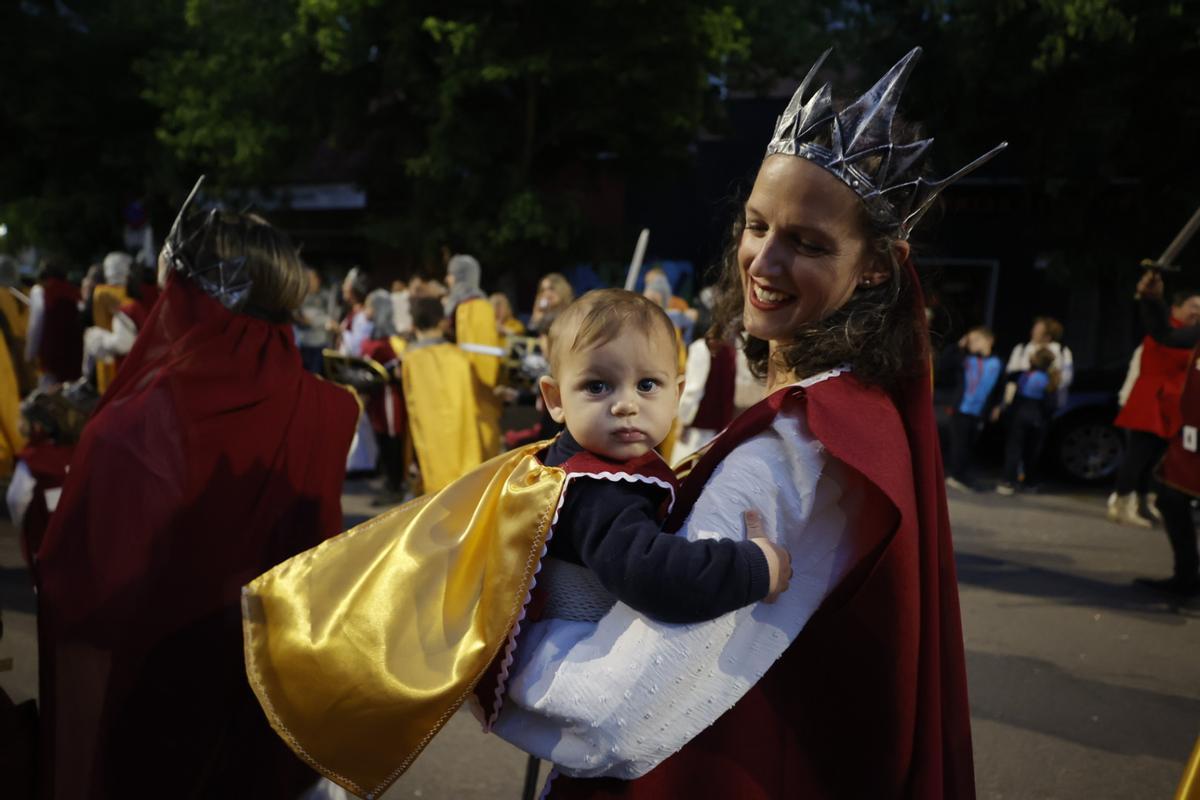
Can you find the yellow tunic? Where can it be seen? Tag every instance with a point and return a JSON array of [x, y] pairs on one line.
[[439, 393], [668, 444], [11, 440], [106, 302], [16, 314], [475, 330], [360, 649]]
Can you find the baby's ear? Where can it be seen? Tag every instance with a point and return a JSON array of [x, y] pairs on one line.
[[552, 397], [679, 387]]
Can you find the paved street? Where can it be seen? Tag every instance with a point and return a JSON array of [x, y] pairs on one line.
[[1082, 686]]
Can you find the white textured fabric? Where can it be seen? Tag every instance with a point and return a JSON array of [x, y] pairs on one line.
[[1131, 376], [37, 320], [353, 338], [1064, 362], [100, 344], [617, 697], [364, 450], [20, 493], [402, 312], [748, 389], [699, 362]]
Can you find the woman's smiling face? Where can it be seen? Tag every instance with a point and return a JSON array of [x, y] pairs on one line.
[[804, 248]]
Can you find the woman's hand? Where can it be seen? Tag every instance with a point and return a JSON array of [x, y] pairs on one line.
[[779, 562], [1151, 285]]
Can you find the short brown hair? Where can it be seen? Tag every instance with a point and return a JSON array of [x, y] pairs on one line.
[[597, 318], [279, 282], [1054, 328], [1042, 358], [427, 313], [983, 330]]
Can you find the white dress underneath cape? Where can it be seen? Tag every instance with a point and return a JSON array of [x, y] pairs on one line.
[[617, 697]]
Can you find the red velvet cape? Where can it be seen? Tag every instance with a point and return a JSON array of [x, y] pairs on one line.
[[870, 701], [1181, 465], [212, 457], [716, 407], [61, 349]]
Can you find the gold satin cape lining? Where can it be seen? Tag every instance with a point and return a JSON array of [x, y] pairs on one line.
[[361, 648]]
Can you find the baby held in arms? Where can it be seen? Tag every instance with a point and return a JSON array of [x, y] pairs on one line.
[[615, 384]]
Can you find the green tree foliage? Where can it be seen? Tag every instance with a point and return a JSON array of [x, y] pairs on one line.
[[470, 123], [493, 125], [76, 139]]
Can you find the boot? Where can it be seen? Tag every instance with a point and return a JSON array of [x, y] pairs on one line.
[[1152, 507], [1123, 509]]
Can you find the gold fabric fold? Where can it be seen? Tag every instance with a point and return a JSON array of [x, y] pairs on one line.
[[1189, 784], [360, 649]]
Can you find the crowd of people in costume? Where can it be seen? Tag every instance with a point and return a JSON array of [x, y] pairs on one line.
[[727, 519]]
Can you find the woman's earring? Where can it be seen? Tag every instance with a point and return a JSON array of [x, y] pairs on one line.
[[865, 282]]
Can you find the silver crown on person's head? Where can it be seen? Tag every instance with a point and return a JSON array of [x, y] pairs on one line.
[[189, 248], [861, 153]]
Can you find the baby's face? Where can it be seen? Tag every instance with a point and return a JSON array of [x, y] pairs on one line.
[[619, 399]]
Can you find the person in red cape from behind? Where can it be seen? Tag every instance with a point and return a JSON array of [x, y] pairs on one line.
[[212, 457], [55, 340], [869, 700]]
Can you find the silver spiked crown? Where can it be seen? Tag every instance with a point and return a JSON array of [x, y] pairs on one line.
[[189, 248], [856, 145]]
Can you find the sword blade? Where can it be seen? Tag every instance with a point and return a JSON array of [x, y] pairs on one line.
[[635, 266], [1181, 239]]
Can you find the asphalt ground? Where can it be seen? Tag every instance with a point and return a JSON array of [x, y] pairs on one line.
[[1082, 685]]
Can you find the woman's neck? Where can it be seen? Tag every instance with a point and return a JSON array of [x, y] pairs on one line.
[[777, 376]]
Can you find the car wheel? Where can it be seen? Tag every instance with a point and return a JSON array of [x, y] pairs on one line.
[[1089, 449]]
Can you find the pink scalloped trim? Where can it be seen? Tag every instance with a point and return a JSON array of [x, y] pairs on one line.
[[624, 476], [511, 645]]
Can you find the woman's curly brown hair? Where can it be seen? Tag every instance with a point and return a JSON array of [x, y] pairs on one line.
[[878, 330]]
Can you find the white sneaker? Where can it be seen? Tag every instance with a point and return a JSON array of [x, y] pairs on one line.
[[1123, 509]]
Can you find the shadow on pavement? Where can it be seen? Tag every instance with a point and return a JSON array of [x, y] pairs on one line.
[[1040, 696], [1005, 574]]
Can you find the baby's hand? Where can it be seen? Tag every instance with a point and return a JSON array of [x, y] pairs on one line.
[[779, 563]]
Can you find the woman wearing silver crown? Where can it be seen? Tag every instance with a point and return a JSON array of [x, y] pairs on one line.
[[853, 683], [212, 456]]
